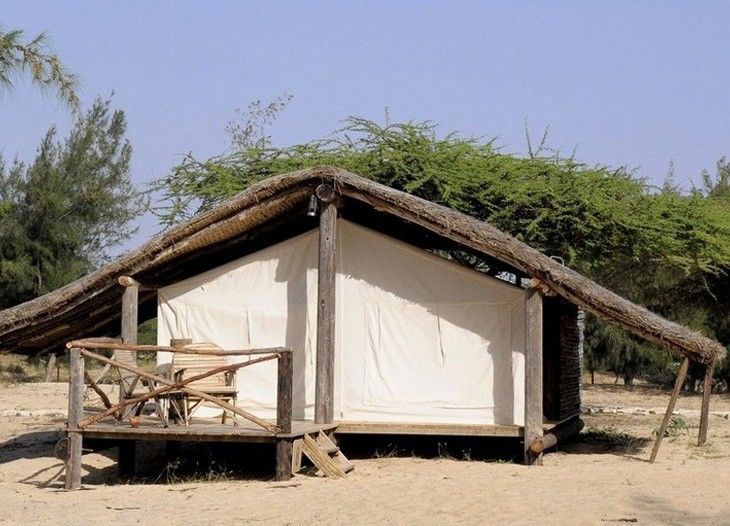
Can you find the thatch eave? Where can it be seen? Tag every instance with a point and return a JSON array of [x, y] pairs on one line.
[[51, 319]]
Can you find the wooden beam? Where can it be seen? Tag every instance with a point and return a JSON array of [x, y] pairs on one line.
[[75, 415], [533, 374], [130, 305], [681, 375], [326, 272], [705, 410]]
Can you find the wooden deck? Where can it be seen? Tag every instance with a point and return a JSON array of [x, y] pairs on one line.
[[200, 430]]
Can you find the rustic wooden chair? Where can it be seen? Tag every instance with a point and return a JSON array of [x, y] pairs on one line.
[[221, 385]]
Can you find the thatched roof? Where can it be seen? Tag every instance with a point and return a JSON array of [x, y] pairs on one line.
[[90, 305]]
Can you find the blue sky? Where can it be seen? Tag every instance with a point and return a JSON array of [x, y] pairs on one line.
[[640, 84]]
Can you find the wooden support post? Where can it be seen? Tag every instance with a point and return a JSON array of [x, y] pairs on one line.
[[325, 373], [285, 376], [681, 375], [705, 410], [75, 415], [130, 301], [533, 374], [284, 458], [126, 462], [50, 367]]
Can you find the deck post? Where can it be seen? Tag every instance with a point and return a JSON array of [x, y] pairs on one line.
[[75, 415], [533, 374], [284, 448], [326, 283], [130, 305], [285, 375], [705, 411]]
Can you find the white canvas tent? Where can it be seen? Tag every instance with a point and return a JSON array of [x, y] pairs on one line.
[[419, 339]]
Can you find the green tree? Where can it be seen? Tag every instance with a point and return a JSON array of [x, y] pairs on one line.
[[60, 214], [663, 248], [35, 58]]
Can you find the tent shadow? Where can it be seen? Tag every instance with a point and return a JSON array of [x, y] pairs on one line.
[[33, 444]]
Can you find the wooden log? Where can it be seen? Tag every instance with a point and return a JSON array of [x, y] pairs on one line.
[[560, 433], [126, 462], [92, 343], [284, 458], [98, 390], [705, 410], [533, 374], [326, 294], [170, 385], [681, 375], [50, 366], [130, 300], [285, 377], [75, 415]]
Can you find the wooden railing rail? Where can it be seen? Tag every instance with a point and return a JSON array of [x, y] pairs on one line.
[[81, 349]]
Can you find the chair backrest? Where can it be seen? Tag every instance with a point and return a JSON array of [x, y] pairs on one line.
[[195, 364]]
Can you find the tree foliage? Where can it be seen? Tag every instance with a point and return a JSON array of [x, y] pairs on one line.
[[37, 59], [663, 248], [60, 214]]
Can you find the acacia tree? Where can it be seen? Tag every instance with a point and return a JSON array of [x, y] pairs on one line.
[[35, 58], [667, 250], [60, 214]]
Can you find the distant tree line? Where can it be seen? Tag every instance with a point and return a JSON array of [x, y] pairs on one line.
[[662, 247]]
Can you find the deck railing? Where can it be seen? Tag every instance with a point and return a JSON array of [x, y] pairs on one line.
[[159, 386]]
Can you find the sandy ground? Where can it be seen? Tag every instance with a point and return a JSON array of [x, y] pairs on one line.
[[602, 479]]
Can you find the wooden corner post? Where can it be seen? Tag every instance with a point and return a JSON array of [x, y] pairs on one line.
[[75, 415], [533, 374], [284, 445], [325, 375]]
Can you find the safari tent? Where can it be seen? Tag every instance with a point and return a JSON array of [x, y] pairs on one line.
[[389, 332]]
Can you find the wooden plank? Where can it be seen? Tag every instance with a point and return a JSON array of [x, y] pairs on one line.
[[285, 377], [326, 294], [75, 414], [296, 459], [197, 431], [681, 375], [533, 373], [408, 428], [283, 459], [705, 410]]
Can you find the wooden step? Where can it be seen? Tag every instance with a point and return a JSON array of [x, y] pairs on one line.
[[323, 453]]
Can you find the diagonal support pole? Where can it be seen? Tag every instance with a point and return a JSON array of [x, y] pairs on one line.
[[681, 375]]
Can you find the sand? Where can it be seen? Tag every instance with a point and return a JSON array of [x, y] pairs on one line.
[[600, 480]]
